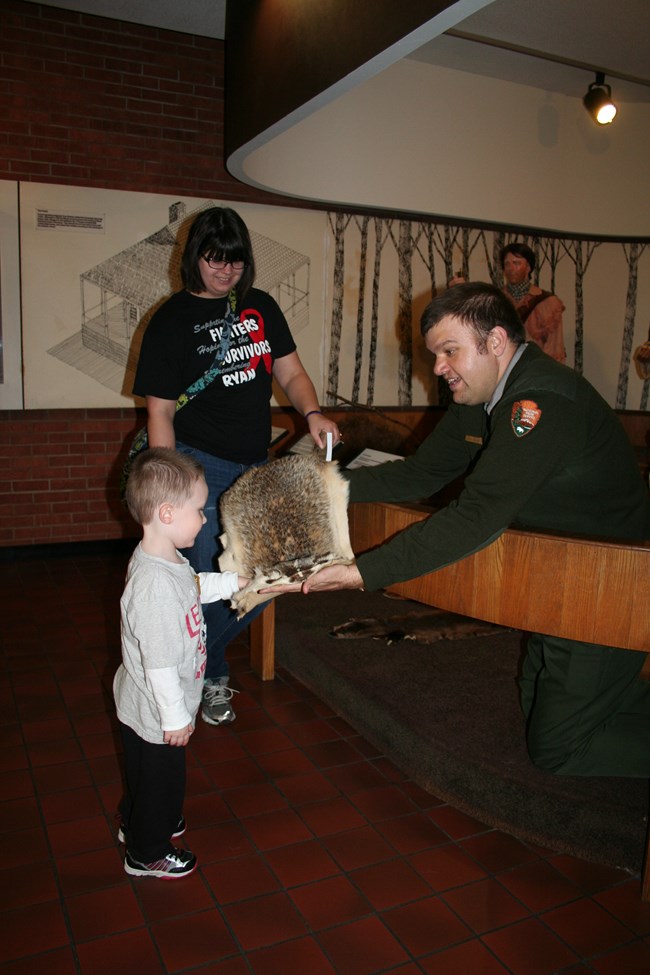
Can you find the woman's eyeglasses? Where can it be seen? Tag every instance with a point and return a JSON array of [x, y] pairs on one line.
[[222, 265]]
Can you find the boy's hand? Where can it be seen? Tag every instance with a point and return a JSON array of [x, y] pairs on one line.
[[243, 582], [180, 737]]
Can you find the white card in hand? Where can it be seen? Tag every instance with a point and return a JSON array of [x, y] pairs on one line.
[[328, 453]]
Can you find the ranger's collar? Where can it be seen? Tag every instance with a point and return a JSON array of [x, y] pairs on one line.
[[498, 392]]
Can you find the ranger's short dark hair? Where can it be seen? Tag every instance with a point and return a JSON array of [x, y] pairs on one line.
[[479, 305]]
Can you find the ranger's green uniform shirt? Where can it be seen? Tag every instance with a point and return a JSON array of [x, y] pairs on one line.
[[552, 456]]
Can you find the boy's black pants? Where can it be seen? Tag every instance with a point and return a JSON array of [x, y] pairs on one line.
[[153, 795]]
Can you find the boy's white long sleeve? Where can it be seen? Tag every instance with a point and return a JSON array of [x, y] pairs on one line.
[[217, 585], [168, 695]]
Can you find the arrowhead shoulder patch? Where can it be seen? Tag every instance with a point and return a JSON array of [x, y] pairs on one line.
[[525, 416]]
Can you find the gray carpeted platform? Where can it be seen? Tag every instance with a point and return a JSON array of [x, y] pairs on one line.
[[448, 715]]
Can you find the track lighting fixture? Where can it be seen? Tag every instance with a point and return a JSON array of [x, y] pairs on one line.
[[598, 101]]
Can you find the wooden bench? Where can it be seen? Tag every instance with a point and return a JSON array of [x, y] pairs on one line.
[[580, 589]]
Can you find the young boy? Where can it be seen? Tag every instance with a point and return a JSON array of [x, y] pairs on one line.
[[158, 686]]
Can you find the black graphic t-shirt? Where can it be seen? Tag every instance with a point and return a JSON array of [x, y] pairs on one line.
[[231, 418]]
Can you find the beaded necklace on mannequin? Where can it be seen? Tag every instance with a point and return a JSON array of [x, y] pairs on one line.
[[518, 291]]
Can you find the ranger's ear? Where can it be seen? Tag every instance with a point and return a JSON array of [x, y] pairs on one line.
[[498, 340]]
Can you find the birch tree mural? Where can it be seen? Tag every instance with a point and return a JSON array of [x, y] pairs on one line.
[[358, 345], [468, 247], [450, 241], [382, 233], [550, 251], [493, 260], [340, 223], [580, 252], [423, 256], [427, 233], [632, 255], [431, 235], [444, 240], [405, 315]]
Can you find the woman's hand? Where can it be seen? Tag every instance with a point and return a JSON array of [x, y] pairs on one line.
[[319, 426]]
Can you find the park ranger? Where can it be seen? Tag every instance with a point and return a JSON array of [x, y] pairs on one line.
[[540, 450]]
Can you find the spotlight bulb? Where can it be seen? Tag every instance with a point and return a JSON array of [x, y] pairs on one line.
[[606, 114], [598, 101]]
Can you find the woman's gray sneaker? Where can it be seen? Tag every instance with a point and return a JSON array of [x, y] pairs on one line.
[[215, 706]]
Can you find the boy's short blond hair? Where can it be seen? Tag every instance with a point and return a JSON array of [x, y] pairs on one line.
[[157, 475]]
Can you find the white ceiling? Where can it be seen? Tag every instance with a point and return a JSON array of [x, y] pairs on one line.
[[612, 36]]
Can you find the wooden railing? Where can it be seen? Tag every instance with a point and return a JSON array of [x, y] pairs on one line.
[[580, 589]]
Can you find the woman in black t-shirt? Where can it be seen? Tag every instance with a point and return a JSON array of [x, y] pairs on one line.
[[220, 320]]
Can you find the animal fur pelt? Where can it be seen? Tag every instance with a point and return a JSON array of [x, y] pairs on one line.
[[427, 626], [282, 523]]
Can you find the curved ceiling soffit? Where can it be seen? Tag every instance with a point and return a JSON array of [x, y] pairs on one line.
[[332, 150], [236, 161]]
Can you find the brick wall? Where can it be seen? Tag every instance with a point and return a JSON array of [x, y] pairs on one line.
[[88, 101], [61, 471]]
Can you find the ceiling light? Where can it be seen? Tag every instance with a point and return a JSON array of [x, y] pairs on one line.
[[598, 101]]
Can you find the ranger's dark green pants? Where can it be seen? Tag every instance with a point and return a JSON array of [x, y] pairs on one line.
[[587, 711]]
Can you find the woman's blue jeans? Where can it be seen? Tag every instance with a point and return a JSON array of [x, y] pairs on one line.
[[221, 622]]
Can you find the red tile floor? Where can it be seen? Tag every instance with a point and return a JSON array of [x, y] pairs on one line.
[[317, 855]]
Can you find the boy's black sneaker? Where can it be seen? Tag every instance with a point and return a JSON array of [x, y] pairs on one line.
[[180, 863], [180, 829]]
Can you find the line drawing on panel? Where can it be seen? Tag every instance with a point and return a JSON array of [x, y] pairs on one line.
[[119, 295]]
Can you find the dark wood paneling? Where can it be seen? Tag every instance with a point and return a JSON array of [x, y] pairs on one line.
[[280, 55]]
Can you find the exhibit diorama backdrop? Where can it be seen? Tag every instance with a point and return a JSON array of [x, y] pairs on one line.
[[97, 263], [384, 271], [94, 264]]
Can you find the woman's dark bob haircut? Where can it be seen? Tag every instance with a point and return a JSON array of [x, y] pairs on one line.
[[521, 250], [220, 234], [479, 306]]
